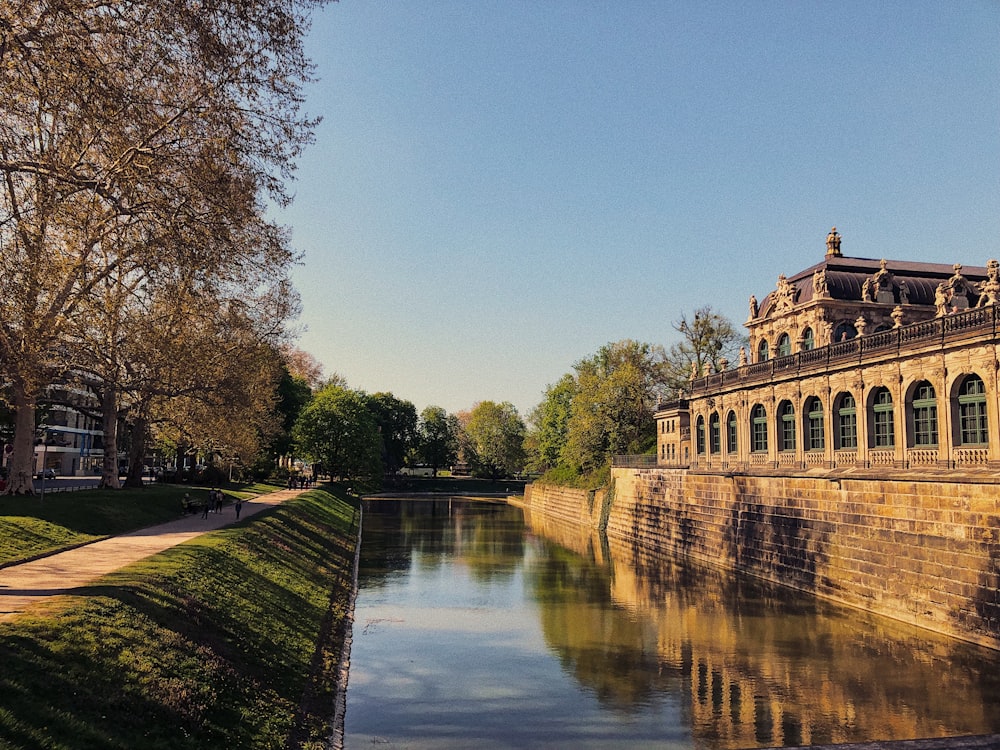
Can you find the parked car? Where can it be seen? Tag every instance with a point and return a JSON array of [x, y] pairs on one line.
[[46, 474]]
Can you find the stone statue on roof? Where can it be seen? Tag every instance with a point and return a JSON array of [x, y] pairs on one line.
[[989, 290], [960, 288], [833, 244], [785, 294], [942, 299], [820, 286]]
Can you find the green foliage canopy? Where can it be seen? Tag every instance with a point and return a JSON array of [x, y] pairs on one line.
[[397, 425], [495, 435], [339, 430], [437, 438]]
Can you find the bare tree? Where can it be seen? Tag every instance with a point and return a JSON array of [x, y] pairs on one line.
[[706, 339], [135, 138]]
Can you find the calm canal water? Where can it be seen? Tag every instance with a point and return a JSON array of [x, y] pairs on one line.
[[474, 629]]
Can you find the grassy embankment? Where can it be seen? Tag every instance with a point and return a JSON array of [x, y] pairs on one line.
[[31, 526], [229, 641]]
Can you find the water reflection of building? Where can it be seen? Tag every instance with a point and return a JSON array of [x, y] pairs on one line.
[[751, 665], [852, 363]]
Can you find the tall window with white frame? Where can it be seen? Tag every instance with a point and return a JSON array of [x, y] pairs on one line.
[[883, 431], [924, 409], [972, 421]]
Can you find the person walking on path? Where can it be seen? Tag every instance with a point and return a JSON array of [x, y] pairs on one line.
[[239, 507], [204, 508], [60, 574]]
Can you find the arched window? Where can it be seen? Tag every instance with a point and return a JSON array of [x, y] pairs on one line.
[[847, 422], [972, 423], [814, 425], [700, 435], [731, 444], [714, 433], [762, 351], [883, 431], [808, 340], [784, 345], [786, 426], [924, 412], [758, 429], [844, 332]]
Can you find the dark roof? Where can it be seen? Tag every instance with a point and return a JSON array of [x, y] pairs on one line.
[[846, 277]]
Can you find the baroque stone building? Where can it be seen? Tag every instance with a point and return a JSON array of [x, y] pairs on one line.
[[852, 363]]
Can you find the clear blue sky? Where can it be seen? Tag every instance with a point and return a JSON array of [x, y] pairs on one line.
[[500, 188]]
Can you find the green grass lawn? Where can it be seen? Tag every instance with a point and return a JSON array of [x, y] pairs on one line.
[[31, 527], [229, 641]]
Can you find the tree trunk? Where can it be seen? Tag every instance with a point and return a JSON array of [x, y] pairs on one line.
[[137, 451], [21, 460], [109, 421]]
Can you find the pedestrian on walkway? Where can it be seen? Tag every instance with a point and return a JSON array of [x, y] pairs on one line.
[[204, 508], [239, 507]]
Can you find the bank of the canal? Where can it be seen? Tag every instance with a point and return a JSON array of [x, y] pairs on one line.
[[918, 549], [231, 640]]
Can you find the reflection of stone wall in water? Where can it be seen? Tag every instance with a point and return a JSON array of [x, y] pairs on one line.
[[744, 686], [926, 553]]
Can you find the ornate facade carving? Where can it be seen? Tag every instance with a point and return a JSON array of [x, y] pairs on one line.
[[916, 337], [785, 294]]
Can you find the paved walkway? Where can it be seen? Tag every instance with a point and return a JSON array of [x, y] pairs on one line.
[[22, 586]]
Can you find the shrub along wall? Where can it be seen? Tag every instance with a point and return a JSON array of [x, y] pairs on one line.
[[232, 640]]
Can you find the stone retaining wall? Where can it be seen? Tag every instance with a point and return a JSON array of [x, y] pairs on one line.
[[925, 552]]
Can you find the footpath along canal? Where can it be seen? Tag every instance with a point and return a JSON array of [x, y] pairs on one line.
[[473, 629]]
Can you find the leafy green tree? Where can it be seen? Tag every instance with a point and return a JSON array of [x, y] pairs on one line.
[[397, 426], [496, 437], [550, 425], [612, 410], [338, 430], [294, 395], [437, 438], [706, 339]]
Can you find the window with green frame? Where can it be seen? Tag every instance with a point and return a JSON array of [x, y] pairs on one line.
[[758, 429], [808, 340], [784, 345], [714, 433], [814, 421], [847, 423], [731, 444], [786, 426], [883, 431], [762, 353], [972, 422], [924, 410], [700, 436]]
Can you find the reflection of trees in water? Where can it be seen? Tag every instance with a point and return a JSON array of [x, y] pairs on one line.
[[487, 537], [604, 646], [753, 663]]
